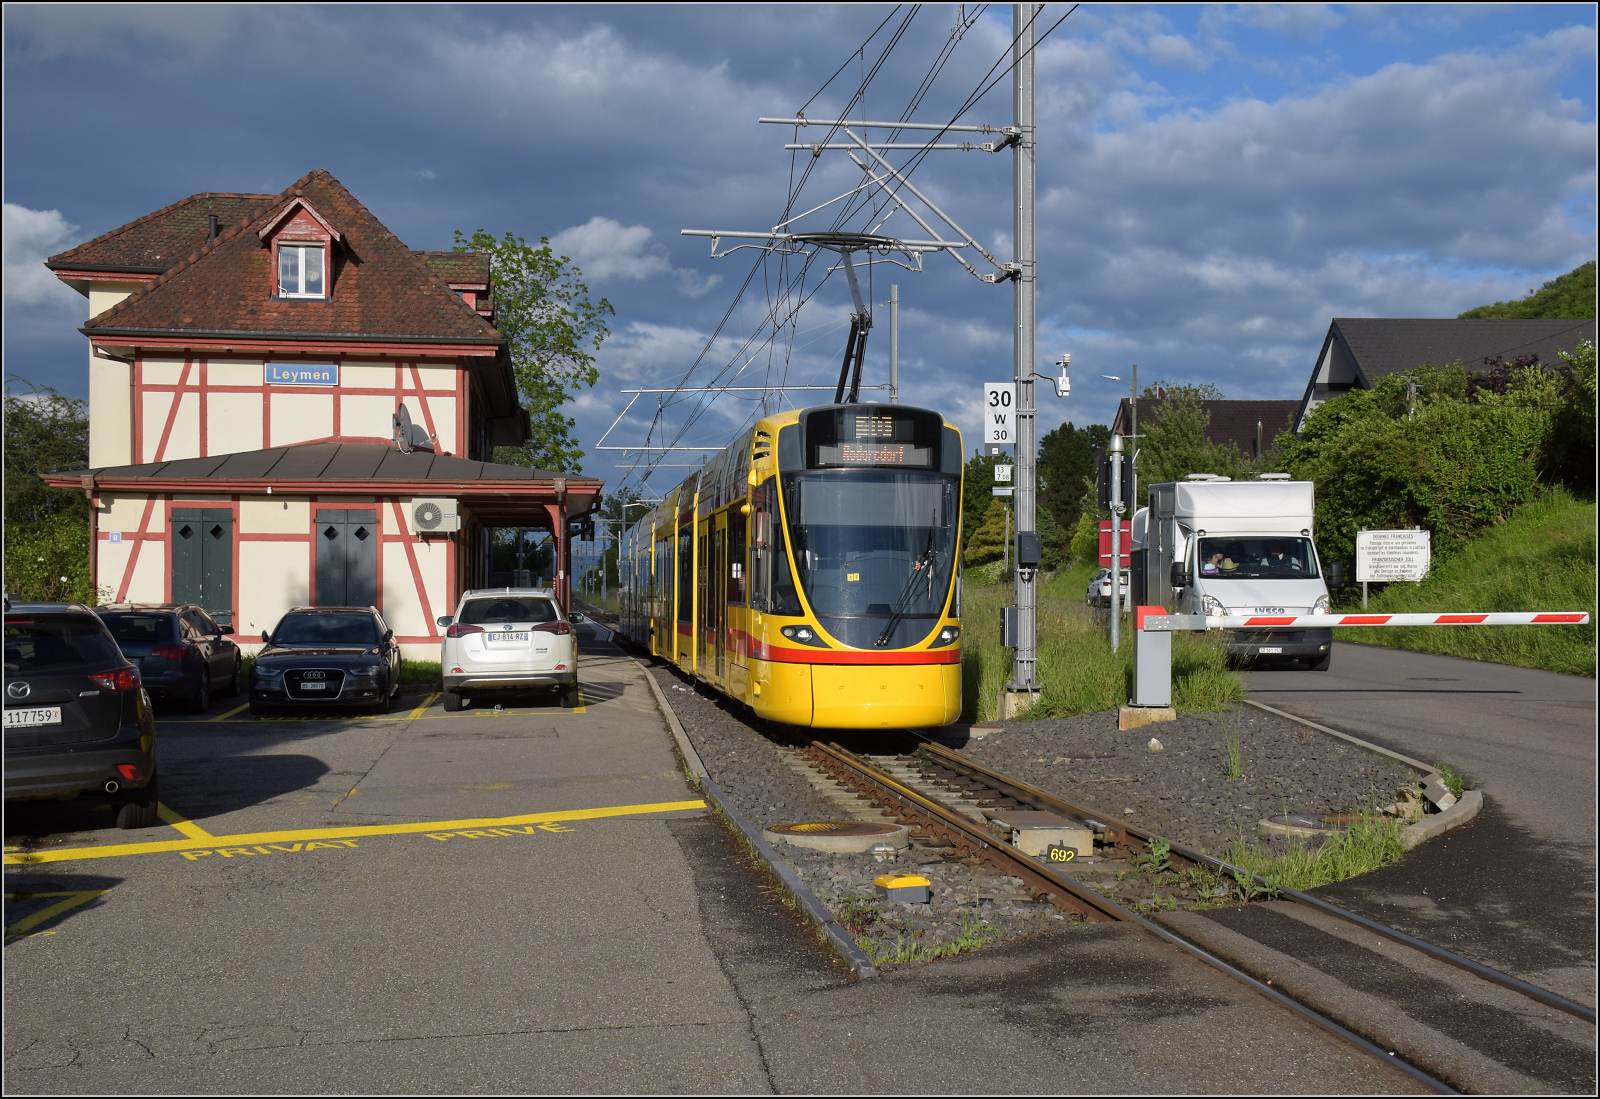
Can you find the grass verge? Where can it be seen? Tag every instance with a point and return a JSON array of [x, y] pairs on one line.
[[1080, 672], [887, 942], [1541, 559]]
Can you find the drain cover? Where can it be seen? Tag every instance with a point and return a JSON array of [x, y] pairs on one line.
[[840, 836]]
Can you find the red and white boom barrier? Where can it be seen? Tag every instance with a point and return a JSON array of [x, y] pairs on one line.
[[1304, 621], [1152, 618], [1153, 630]]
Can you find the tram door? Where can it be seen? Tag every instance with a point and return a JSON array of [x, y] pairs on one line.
[[717, 619], [702, 647]]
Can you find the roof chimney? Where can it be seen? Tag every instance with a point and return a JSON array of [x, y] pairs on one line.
[[211, 230]]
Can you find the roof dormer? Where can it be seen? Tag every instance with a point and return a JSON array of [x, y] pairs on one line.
[[302, 251]]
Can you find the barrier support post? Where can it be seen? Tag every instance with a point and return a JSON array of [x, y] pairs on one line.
[[1152, 670]]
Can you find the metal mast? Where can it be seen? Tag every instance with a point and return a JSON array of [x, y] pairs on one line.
[[1025, 675]]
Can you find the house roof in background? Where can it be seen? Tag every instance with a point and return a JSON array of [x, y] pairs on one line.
[[1382, 346], [157, 241], [1231, 421]]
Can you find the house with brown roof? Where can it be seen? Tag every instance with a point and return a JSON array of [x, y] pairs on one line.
[[288, 406], [1359, 350], [1249, 425]]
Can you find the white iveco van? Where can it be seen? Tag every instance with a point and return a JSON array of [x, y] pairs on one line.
[[1208, 545]]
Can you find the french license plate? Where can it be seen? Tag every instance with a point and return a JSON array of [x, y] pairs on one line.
[[1270, 649], [508, 637], [313, 686], [23, 717]]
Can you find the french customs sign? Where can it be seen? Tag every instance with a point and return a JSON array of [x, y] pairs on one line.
[[302, 373], [1388, 555]]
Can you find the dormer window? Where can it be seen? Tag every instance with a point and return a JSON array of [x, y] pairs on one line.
[[300, 271]]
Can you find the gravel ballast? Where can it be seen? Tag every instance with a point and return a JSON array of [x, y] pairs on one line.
[[1179, 792]]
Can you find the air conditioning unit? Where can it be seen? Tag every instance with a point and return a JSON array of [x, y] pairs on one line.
[[435, 516]]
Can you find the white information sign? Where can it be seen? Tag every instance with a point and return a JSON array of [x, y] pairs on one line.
[[1002, 474], [999, 405], [1388, 555]]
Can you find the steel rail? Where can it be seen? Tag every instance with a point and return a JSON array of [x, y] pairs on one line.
[[1026, 867], [1021, 791]]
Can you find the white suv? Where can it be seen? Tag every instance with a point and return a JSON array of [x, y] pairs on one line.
[[509, 639]]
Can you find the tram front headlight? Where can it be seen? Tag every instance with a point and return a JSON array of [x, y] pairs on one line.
[[947, 636], [805, 635]]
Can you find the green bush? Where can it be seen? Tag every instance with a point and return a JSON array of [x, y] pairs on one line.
[[1456, 457]]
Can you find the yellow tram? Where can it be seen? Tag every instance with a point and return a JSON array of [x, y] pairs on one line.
[[811, 569]]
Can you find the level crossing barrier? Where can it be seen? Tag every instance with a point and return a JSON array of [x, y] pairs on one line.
[[1154, 627]]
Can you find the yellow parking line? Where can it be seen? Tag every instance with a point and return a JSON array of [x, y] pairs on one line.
[[182, 823], [230, 713], [429, 701], [27, 924], [71, 854]]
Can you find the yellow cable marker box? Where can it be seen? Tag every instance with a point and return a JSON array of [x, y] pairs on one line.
[[910, 888]]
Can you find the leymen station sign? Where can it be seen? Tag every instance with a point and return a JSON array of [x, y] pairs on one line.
[[1383, 556]]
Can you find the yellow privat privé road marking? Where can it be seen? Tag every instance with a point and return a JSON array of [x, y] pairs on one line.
[[72, 854]]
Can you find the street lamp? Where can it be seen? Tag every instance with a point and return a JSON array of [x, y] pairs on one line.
[[1133, 432]]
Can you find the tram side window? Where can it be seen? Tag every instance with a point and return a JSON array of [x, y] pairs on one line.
[[685, 576], [735, 548], [760, 583]]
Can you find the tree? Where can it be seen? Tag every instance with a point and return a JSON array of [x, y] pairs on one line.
[[1175, 442], [46, 529], [977, 497], [552, 331], [1066, 461], [988, 542], [1569, 295]]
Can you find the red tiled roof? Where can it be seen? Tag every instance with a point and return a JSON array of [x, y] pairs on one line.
[[155, 242], [379, 288]]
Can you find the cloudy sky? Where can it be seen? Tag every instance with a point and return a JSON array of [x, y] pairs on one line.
[[1214, 183]]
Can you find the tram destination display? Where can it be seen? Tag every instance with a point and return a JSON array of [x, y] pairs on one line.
[[875, 454]]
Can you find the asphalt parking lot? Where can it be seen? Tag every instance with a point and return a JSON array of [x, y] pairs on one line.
[[420, 900]]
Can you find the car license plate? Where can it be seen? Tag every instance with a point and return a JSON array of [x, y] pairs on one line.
[[313, 686], [23, 717], [508, 637], [1270, 649]]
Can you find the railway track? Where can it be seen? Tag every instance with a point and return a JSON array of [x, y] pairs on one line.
[[941, 795]]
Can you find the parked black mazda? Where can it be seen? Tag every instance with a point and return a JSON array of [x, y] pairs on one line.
[[182, 652], [77, 720], [321, 658]]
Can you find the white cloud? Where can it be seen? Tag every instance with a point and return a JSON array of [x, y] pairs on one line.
[[31, 236], [605, 249]]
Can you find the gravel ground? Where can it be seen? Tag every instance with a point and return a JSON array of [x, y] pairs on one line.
[[1179, 792]]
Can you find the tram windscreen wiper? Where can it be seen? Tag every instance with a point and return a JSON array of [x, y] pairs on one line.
[[920, 568]]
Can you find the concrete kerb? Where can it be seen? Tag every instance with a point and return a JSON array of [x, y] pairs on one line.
[[815, 911], [1465, 808]]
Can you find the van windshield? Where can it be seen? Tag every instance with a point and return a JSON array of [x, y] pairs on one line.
[[1255, 558]]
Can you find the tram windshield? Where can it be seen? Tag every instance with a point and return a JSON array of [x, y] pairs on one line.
[[873, 544]]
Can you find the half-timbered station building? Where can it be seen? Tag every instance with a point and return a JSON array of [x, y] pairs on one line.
[[288, 407]]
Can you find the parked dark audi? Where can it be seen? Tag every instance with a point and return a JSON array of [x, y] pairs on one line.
[[182, 652], [77, 720], [326, 658]]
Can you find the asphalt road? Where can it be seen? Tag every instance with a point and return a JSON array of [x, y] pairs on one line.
[[523, 901], [1516, 889]]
